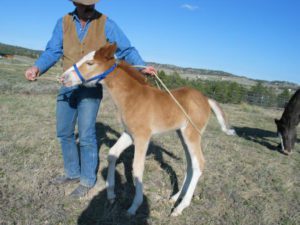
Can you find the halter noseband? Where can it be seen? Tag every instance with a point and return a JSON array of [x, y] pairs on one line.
[[98, 77]]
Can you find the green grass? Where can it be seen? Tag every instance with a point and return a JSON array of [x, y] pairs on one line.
[[245, 181]]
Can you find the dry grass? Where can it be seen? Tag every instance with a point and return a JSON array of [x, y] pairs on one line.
[[246, 181]]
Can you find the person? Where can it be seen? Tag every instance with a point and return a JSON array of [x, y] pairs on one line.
[[76, 34]]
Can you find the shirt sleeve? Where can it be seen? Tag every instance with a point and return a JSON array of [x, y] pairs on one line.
[[54, 49], [124, 49]]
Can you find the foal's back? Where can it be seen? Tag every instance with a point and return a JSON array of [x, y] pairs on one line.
[[165, 114]]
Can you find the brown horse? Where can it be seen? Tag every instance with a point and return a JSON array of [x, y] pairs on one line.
[[145, 111]]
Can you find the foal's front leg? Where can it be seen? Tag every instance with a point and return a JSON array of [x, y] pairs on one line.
[[122, 143], [141, 145]]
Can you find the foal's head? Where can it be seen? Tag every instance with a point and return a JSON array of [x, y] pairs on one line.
[[287, 136], [91, 68]]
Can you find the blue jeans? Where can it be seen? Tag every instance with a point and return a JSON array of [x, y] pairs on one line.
[[79, 105]]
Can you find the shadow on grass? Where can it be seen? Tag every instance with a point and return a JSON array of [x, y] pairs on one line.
[[260, 136], [99, 210]]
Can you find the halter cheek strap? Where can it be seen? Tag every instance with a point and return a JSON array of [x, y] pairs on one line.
[[98, 77], [78, 73]]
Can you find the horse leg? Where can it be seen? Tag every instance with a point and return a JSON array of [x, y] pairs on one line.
[[187, 177], [141, 145], [192, 139], [122, 143]]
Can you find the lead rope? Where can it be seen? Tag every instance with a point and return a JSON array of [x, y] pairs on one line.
[[48, 78], [175, 100], [157, 84]]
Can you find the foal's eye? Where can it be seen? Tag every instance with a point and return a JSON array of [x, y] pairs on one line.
[[90, 62]]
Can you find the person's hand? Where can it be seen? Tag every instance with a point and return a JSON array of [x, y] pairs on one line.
[[149, 70], [32, 73]]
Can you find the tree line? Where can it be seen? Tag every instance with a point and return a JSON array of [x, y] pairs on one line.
[[231, 92]]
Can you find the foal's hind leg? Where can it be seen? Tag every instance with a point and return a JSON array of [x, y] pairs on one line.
[[122, 143], [141, 145], [192, 139]]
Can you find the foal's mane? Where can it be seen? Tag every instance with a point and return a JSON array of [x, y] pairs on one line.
[[134, 73]]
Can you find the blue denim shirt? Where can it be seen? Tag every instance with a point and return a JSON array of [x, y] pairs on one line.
[[54, 48]]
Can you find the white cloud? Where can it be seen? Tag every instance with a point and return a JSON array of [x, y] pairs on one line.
[[189, 7]]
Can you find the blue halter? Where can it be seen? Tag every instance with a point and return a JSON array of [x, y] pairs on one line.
[[98, 77]]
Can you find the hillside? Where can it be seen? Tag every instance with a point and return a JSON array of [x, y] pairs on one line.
[[217, 75], [15, 50], [191, 73]]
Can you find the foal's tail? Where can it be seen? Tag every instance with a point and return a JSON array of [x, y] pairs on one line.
[[220, 117]]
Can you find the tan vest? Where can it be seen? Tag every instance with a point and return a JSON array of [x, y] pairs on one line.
[[95, 38]]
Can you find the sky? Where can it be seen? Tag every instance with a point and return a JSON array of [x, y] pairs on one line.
[[258, 39]]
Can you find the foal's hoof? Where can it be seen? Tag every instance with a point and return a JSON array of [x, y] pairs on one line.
[[231, 132], [172, 199], [176, 213]]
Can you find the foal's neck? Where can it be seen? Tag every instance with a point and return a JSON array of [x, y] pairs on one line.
[[124, 87]]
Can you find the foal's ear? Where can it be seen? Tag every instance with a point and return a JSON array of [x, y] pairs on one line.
[[110, 51], [106, 52]]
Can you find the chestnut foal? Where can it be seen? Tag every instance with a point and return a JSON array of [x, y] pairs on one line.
[[145, 111]]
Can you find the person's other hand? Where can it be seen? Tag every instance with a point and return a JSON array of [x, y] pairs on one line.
[[32, 73], [150, 70]]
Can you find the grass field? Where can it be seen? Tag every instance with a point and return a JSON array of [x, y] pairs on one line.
[[246, 181]]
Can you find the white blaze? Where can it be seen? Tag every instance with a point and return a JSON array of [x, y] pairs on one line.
[[70, 74]]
